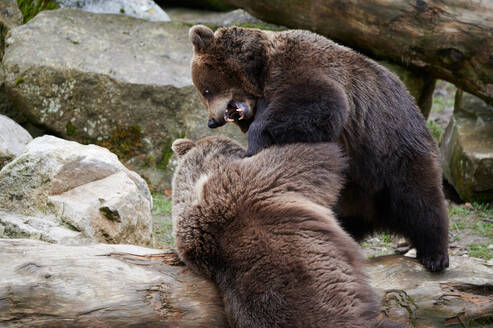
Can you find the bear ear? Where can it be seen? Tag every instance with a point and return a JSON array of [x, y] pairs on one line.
[[202, 37], [181, 146]]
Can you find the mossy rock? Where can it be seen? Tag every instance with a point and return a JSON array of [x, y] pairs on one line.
[[214, 19], [467, 149], [135, 97], [220, 5]]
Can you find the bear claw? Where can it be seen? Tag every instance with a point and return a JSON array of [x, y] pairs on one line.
[[435, 263]]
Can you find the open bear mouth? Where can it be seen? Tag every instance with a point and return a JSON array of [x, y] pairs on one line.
[[235, 111]]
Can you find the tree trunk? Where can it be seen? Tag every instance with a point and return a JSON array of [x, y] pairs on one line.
[[453, 39], [52, 285]]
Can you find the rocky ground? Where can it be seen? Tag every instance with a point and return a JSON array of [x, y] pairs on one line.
[[471, 224]]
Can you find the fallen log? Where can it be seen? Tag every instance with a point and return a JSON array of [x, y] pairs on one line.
[[452, 40], [52, 285]]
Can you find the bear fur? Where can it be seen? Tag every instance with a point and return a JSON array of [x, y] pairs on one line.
[[297, 86], [261, 228]]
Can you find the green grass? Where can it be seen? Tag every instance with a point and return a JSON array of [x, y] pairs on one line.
[[483, 210], [161, 205], [440, 102], [458, 210], [458, 226], [162, 225], [163, 231], [386, 238], [435, 130], [484, 229], [481, 251], [30, 8]]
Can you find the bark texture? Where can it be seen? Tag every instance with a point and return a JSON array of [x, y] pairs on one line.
[[50, 285], [101, 285], [453, 40]]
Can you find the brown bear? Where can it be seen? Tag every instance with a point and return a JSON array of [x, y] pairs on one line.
[[297, 86], [255, 226]]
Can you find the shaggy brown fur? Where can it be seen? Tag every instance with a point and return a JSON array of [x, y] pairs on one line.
[[296, 86], [256, 227]]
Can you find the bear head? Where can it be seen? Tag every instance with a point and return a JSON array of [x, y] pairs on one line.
[[228, 68], [196, 162]]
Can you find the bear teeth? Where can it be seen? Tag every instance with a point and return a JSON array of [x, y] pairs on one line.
[[233, 114]]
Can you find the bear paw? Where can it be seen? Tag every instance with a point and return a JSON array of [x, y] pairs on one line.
[[435, 262]]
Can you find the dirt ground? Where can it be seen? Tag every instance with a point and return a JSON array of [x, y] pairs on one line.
[[471, 225]]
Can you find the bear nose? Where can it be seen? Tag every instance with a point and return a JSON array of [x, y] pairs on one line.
[[213, 123]]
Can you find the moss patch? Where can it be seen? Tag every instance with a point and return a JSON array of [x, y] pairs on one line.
[[71, 129], [30, 8], [124, 142], [19, 80], [260, 26], [166, 154], [435, 130]]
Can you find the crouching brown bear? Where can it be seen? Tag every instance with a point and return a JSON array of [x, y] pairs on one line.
[[296, 86], [261, 228]]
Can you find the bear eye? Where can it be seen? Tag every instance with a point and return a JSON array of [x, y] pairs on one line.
[[206, 92]]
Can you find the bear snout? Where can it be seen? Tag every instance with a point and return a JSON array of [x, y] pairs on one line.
[[213, 123]]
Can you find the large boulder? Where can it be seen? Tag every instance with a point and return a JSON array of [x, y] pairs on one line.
[[120, 82], [81, 187], [467, 148], [13, 140], [145, 9]]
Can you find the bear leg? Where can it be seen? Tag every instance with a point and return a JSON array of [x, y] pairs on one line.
[[417, 211], [357, 227]]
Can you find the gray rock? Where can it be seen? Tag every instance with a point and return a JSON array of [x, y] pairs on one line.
[[145, 9], [121, 82], [237, 17], [461, 296], [10, 16], [14, 226], [83, 187], [467, 149], [13, 140]]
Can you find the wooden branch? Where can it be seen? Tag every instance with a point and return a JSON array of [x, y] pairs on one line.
[[453, 39]]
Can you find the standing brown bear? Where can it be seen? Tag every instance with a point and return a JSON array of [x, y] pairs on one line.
[[255, 226], [297, 86]]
